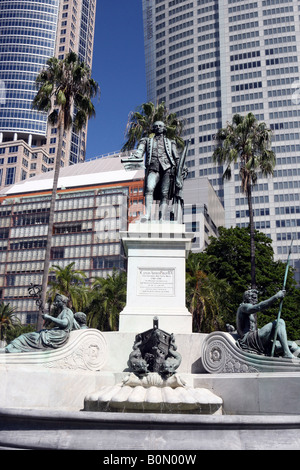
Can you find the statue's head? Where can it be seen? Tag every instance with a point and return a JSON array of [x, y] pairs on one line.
[[159, 128], [80, 317], [59, 298], [250, 296]]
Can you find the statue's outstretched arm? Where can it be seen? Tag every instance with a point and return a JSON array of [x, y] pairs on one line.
[[61, 322], [267, 303]]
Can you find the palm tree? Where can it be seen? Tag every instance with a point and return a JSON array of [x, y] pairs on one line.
[[205, 297], [140, 124], [65, 90], [108, 298], [71, 283], [8, 321], [248, 142]]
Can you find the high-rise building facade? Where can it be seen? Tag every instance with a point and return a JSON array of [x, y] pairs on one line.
[[30, 33], [95, 201], [210, 59]]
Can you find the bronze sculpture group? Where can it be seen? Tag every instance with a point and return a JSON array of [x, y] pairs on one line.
[[260, 340], [164, 172], [53, 338]]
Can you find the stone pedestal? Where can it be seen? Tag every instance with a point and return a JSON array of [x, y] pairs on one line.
[[156, 254]]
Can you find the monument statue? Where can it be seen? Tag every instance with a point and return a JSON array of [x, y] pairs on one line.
[[154, 351], [48, 338], [164, 173], [260, 341]]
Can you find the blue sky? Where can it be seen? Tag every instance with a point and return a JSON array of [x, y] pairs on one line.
[[119, 69]]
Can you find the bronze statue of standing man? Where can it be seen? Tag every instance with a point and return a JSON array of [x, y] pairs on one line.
[[161, 179]]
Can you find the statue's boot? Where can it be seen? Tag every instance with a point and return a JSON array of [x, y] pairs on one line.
[[148, 202]]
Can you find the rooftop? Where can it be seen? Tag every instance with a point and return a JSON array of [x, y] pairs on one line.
[[103, 170]]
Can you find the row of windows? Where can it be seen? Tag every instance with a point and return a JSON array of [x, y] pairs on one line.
[[180, 73], [281, 50], [245, 65], [242, 201], [247, 97], [243, 17], [247, 108], [281, 71], [288, 223], [38, 42], [27, 32], [182, 35], [285, 125], [181, 26], [29, 14], [208, 85], [27, 23], [245, 55], [282, 81], [285, 114], [287, 210], [182, 92], [25, 49], [286, 148], [246, 86], [256, 213], [244, 45], [293, 136], [279, 40], [243, 7], [244, 36], [180, 9], [286, 197], [279, 31], [30, 6], [240, 27], [281, 19]]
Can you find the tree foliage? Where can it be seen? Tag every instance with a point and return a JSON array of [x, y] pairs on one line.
[[65, 92], [204, 297], [140, 123], [246, 142], [8, 320], [70, 282], [228, 259], [107, 300]]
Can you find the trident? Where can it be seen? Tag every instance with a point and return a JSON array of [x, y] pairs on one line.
[[281, 302]]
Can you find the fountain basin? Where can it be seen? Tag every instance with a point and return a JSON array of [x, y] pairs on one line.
[[153, 395]]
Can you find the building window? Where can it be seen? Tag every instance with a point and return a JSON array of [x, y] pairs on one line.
[[10, 279], [10, 176], [57, 253], [12, 160]]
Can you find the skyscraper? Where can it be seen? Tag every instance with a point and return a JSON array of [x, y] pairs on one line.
[[31, 32], [210, 59]]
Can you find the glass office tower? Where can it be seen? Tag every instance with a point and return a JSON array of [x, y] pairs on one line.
[[210, 59], [28, 34]]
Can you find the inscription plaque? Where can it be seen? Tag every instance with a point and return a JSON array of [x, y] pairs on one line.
[[157, 281]]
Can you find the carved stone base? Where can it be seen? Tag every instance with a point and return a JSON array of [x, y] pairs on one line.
[[85, 350], [221, 355]]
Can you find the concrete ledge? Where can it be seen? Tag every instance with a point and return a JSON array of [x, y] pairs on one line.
[[255, 394], [41, 430]]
